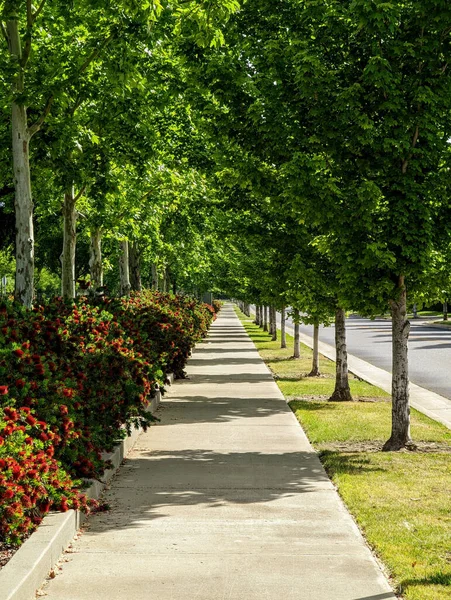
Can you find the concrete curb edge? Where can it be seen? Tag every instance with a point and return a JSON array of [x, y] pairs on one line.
[[27, 570]]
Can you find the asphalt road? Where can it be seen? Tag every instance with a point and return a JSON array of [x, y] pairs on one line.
[[429, 349]]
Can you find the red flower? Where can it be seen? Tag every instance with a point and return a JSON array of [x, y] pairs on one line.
[[18, 352], [3, 390]]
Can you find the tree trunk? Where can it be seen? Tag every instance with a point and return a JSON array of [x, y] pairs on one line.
[[22, 184], [283, 336], [154, 277], [162, 281], [297, 337], [265, 318], [256, 320], [95, 259], [315, 372], [445, 310], [135, 267], [400, 434], [69, 244], [342, 391], [273, 323], [124, 271]]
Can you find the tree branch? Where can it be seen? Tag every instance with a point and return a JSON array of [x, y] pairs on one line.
[[78, 102], [80, 194], [37, 124], [5, 33], [405, 162], [95, 54], [27, 49], [29, 14], [39, 10]]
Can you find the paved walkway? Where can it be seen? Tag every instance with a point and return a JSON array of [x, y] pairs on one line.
[[223, 500]]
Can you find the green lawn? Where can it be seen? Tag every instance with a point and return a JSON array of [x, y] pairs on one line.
[[401, 500]]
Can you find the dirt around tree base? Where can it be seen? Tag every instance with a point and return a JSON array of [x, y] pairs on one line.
[[324, 398], [352, 447]]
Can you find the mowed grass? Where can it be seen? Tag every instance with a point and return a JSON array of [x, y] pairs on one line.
[[401, 500]]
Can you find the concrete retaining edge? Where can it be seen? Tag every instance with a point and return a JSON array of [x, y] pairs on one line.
[[27, 570]]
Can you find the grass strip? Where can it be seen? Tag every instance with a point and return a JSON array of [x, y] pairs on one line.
[[401, 500]]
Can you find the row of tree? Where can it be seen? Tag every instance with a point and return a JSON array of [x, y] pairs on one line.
[[341, 114], [95, 99], [290, 155]]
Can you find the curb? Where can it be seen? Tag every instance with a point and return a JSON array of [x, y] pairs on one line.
[[27, 570]]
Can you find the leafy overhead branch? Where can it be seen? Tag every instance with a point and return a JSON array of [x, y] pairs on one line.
[[4, 32], [414, 143], [38, 124], [28, 37], [80, 193], [38, 10], [95, 53]]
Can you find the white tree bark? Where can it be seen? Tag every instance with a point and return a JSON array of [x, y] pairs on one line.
[[24, 287], [273, 323], [95, 259], [297, 338], [283, 336], [342, 391], [400, 434], [315, 372], [135, 267], [154, 275], [124, 271], [69, 245]]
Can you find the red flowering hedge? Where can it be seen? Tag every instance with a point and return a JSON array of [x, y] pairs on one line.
[[31, 480], [217, 305], [85, 369]]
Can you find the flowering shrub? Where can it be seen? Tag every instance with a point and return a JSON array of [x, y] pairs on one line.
[[86, 369], [71, 376], [217, 305], [31, 480]]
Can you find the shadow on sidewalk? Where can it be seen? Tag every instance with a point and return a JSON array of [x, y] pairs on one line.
[[219, 410], [159, 483]]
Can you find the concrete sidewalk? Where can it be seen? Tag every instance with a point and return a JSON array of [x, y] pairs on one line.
[[223, 499]]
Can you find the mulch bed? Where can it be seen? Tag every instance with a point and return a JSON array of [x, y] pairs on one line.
[[6, 553]]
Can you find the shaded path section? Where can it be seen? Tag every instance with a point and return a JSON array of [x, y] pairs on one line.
[[223, 499]]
